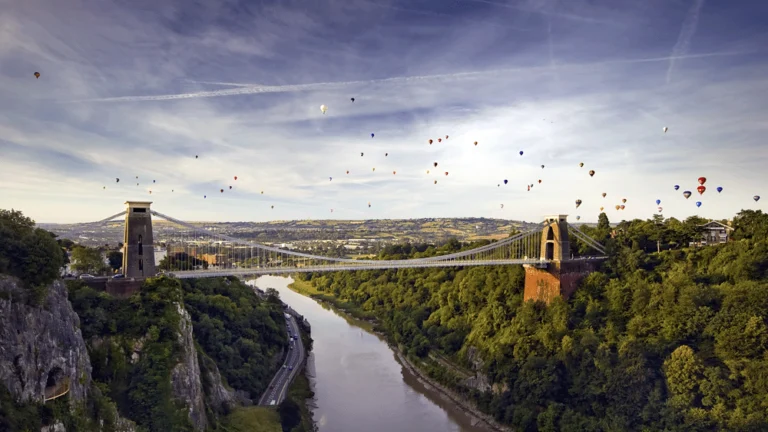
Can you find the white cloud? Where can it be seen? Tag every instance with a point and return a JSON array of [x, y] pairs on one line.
[[607, 109]]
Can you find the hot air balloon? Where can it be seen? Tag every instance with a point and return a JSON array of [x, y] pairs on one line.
[[475, 143], [660, 209], [505, 181], [435, 164], [117, 180], [521, 152], [591, 173], [542, 167], [665, 129], [601, 208], [539, 181], [439, 140], [756, 198], [323, 108], [262, 192], [371, 134], [578, 203], [195, 156], [235, 177], [435, 181], [702, 180], [618, 207], [701, 189], [221, 190], [272, 207], [677, 187], [352, 99], [604, 194], [386, 154], [369, 204], [622, 206], [104, 187], [698, 203], [687, 194], [624, 200], [347, 171], [331, 210], [394, 172], [137, 176], [658, 201], [361, 154], [37, 75], [430, 142], [205, 196], [230, 187], [446, 137], [578, 217], [446, 173], [374, 169], [150, 192], [581, 164], [427, 171], [153, 181], [502, 206], [330, 178], [719, 189], [529, 188]]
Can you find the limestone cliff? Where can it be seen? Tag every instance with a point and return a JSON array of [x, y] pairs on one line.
[[185, 377], [42, 351]]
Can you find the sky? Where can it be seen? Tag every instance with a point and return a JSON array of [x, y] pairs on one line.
[[186, 95]]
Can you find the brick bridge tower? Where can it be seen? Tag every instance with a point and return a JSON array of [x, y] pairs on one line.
[[138, 244], [562, 274]]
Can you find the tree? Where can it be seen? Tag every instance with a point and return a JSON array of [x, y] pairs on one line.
[[29, 253], [273, 296], [290, 415], [115, 259], [88, 260]]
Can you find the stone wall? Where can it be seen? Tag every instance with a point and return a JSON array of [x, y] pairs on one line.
[[559, 279]]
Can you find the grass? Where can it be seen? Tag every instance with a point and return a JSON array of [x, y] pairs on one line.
[[252, 419], [300, 391]]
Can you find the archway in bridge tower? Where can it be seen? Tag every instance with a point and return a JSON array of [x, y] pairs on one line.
[[549, 252], [550, 234]]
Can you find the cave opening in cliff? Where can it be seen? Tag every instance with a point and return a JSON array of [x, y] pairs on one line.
[[54, 383]]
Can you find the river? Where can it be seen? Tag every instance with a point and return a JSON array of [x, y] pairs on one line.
[[358, 382]]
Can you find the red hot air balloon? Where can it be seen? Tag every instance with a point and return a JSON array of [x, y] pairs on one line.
[[701, 189], [235, 177], [702, 180]]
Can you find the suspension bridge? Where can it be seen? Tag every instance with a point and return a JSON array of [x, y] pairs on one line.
[[193, 251]]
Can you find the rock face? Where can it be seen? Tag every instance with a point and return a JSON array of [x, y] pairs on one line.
[[41, 348], [480, 381], [218, 397], [185, 376]]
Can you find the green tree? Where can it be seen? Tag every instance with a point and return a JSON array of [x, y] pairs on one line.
[[88, 260], [290, 414], [115, 259], [29, 253]]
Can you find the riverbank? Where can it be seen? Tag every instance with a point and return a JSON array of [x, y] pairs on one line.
[[463, 404]]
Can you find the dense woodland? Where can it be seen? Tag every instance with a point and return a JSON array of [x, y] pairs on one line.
[[670, 340]]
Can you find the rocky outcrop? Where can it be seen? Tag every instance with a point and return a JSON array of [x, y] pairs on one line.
[[218, 396], [185, 376], [480, 381], [41, 348]]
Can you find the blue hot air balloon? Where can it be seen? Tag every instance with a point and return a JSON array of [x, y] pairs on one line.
[[371, 134], [756, 198], [521, 152], [687, 194], [330, 178], [719, 189], [677, 187], [698, 203], [658, 201], [505, 181]]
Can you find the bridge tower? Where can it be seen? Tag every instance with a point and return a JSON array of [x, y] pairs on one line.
[[138, 243], [562, 274]]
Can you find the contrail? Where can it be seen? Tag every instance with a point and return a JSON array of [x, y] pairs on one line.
[[687, 31], [246, 89]]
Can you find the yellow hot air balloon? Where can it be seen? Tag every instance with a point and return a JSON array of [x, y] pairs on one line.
[[323, 108], [581, 164], [601, 208], [618, 207], [37, 75]]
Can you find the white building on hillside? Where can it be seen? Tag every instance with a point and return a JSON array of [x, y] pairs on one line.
[[715, 233]]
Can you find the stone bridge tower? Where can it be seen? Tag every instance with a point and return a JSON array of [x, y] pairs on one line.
[[562, 274], [138, 243]]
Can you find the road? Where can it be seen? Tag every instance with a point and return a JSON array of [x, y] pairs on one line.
[[278, 388]]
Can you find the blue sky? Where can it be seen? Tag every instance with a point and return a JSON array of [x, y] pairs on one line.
[[139, 88]]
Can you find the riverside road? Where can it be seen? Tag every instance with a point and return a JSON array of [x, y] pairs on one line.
[[278, 388]]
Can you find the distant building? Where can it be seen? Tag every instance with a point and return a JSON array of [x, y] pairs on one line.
[[714, 233]]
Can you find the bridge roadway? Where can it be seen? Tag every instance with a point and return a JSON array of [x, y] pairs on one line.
[[374, 265], [278, 388]]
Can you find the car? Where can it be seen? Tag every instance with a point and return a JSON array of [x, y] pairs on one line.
[[290, 368], [85, 276], [118, 276], [284, 366], [291, 346]]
